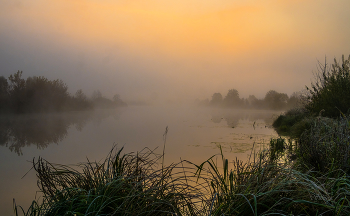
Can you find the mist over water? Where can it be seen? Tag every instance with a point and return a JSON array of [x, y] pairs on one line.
[[156, 57], [195, 134]]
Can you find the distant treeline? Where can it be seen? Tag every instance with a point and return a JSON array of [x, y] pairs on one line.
[[38, 94], [273, 100]]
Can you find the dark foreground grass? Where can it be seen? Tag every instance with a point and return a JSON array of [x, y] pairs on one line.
[[128, 184], [309, 176], [269, 187]]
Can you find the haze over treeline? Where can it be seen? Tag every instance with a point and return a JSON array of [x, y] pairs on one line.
[[172, 51], [38, 95], [273, 100]]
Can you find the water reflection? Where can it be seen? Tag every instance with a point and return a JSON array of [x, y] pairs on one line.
[[41, 130], [248, 129], [232, 118]]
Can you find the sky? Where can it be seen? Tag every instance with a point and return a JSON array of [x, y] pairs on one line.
[[173, 51]]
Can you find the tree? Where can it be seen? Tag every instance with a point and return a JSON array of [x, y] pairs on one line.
[[96, 94], [118, 101], [275, 100], [80, 101], [295, 100], [4, 93], [232, 98], [17, 92], [216, 99]]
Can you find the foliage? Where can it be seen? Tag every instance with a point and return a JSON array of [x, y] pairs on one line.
[[45, 95], [275, 100], [4, 94], [101, 102], [216, 99], [232, 99], [330, 92], [292, 123], [38, 94]]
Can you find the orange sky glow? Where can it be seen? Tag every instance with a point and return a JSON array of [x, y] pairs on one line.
[[139, 48]]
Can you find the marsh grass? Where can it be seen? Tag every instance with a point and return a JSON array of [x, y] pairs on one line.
[[265, 186], [325, 146], [123, 184]]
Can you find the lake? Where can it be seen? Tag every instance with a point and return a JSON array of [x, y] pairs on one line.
[[194, 134]]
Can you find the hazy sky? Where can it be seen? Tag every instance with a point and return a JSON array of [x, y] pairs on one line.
[[173, 49]]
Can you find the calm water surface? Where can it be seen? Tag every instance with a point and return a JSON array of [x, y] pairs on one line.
[[194, 134]]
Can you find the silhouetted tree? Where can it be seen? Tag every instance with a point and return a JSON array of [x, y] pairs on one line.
[[17, 92], [118, 101], [216, 99], [96, 94], [275, 100], [80, 101], [4, 94], [295, 100], [38, 94], [232, 99], [45, 95]]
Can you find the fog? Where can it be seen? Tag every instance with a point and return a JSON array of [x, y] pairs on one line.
[[173, 51]]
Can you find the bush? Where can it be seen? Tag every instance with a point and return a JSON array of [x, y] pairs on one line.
[[292, 122], [329, 94], [325, 145]]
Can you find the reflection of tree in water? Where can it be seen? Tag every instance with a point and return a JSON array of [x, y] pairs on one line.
[[42, 130], [232, 117]]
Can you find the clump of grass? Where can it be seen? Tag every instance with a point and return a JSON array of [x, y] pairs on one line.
[[264, 187], [129, 184]]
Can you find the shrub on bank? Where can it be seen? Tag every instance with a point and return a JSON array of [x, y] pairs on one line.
[[330, 92], [292, 123]]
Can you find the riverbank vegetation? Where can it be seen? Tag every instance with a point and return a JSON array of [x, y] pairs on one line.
[[327, 97], [40, 95]]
